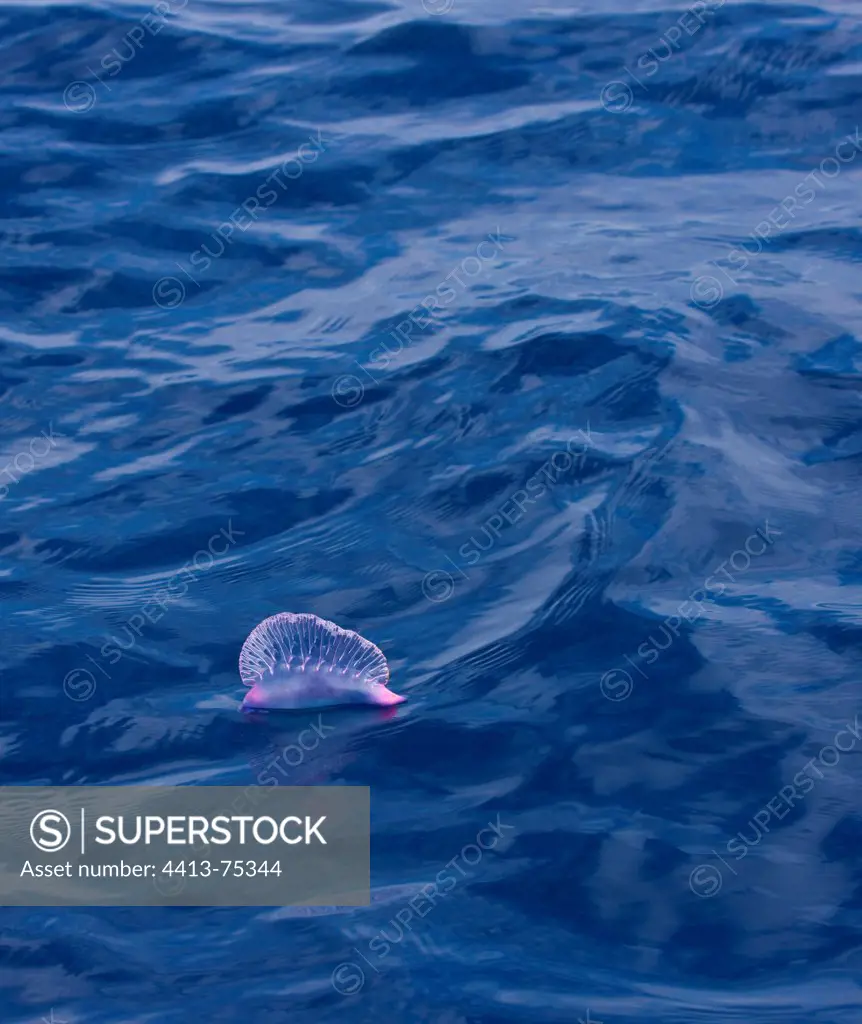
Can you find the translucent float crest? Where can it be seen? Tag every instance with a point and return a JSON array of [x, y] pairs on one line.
[[301, 661]]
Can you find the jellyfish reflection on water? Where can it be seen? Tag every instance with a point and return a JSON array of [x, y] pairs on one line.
[[293, 662]]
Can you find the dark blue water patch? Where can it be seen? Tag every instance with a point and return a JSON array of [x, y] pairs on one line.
[[26, 285], [323, 409], [844, 244], [844, 836], [565, 354], [56, 359], [263, 513], [425, 85], [740, 312], [239, 404], [838, 363]]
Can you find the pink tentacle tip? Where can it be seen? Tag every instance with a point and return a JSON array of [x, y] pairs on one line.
[[384, 697]]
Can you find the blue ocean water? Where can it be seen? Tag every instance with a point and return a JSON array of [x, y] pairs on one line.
[[522, 339]]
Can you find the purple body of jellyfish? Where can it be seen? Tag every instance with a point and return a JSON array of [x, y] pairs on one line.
[[291, 662]]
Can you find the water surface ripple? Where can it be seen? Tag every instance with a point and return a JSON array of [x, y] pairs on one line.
[[523, 340]]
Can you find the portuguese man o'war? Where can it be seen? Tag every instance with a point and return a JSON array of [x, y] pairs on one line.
[[292, 662]]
